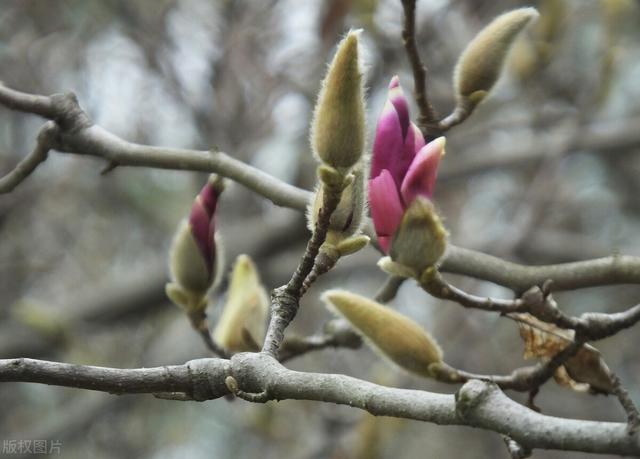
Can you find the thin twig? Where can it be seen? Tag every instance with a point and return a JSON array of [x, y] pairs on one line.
[[633, 417], [200, 324], [592, 326], [389, 289], [25, 167], [285, 300], [428, 120], [342, 337]]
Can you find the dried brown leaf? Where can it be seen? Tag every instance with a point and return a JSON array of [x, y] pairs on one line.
[[585, 371]]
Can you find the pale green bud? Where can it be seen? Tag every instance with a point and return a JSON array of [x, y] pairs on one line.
[[188, 268], [421, 238], [391, 334], [338, 128], [245, 311], [480, 64]]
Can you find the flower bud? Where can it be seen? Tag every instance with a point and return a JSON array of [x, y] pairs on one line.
[[245, 311], [393, 335], [195, 252], [421, 239], [338, 128], [480, 64]]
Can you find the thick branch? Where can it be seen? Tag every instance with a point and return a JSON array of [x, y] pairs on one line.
[[616, 269], [477, 404], [80, 137]]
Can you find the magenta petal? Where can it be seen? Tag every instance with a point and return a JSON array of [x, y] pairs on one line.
[[421, 176], [209, 197], [405, 158], [388, 144], [418, 139], [386, 207], [399, 101], [200, 228], [385, 243]]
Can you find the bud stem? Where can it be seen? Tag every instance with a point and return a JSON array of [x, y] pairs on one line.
[[285, 300], [199, 322]]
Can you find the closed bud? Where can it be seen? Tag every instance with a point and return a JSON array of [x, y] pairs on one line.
[[338, 128], [346, 220], [393, 335], [421, 239], [481, 63], [195, 255], [396, 269], [352, 244], [243, 320]]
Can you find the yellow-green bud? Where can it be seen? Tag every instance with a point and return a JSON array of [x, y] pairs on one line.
[[188, 268], [245, 311], [352, 244], [480, 64], [338, 128], [421, 238], [195, 256], [396, 269], [393, 335]]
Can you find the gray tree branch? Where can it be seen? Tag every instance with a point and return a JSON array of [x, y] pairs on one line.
[[79, 136], [477, 404]]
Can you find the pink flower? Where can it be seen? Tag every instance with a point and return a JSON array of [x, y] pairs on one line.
[[402, 167], [202, 222]]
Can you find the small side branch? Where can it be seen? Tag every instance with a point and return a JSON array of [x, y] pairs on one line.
[[428, 120], [592, 326], [633, 417], [25, 167]]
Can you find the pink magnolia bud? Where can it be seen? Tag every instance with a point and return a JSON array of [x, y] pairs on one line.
[[194, 256], [202, 220], [403, 167]]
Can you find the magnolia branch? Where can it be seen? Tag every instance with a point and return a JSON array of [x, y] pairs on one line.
[[591, 326], [25, 167], [428, 120], [77, 135], [286, 299], [477, 404]]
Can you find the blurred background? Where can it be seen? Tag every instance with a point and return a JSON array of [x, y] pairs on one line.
[[545, 171]]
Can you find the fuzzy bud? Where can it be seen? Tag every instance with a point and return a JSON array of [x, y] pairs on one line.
[[480, 64], [245, 311], [393, 335], [195, 257], [421, 239], [338, 128]]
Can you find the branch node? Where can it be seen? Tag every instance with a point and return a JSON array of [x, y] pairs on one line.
[[471, 394]]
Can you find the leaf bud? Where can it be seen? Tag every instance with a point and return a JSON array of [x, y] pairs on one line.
[[480, 64], [421, 239], [390, 333], [245, 311], [338, 128]]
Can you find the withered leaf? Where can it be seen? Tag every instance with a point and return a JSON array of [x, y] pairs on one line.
[[585, 371]]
